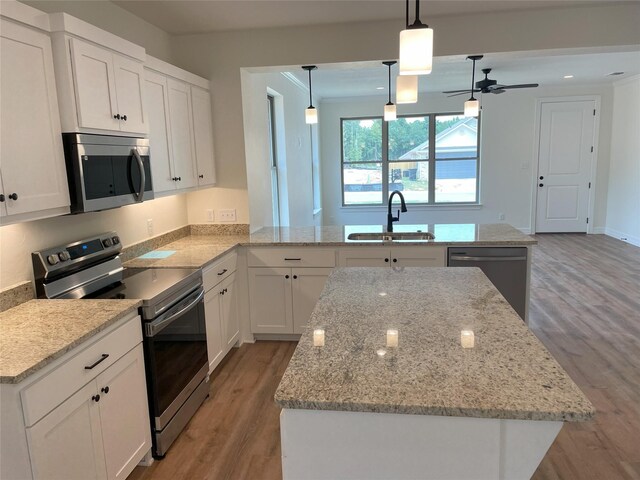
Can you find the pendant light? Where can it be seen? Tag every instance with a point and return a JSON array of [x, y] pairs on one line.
[[406, 89], [416, 46], [389, 108], [310, 114], [472, 106]]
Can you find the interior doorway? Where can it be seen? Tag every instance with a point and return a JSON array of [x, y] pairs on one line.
[[273, 158], [566, 164]]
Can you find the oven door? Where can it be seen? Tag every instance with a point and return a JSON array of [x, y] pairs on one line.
[[176, 356]]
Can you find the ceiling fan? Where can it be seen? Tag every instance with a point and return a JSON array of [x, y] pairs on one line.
[[486, 85]]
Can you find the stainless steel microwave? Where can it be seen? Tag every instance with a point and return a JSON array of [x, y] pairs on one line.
[[106, 171]]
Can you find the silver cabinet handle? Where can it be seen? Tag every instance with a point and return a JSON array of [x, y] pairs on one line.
[[140, 193], [486, 259]]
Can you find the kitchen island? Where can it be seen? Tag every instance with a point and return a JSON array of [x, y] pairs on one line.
[[420, 373]]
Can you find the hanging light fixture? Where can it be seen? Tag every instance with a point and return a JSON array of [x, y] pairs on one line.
[[406, 89], [472, 106], [310, 114], [416, 46], [389, 108]]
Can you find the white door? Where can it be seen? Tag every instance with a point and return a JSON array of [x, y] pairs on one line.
[[307, 286], [364, 257], [129, 79], [270, 300], [424, 256], [67, 443], [230, 320], [180, 119], [95, 88], [157, 100], [213, 322], [203, 136], [124, 414], [564, 166], [31, 156]]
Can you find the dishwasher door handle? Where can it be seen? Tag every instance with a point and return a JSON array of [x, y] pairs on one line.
[[466, 258]]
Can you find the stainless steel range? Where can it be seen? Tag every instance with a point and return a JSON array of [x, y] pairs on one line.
[[172, 314]]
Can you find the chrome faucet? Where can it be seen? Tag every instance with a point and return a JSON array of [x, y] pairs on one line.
[[403, 208]]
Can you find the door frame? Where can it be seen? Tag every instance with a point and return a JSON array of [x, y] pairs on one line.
[[594, 159]]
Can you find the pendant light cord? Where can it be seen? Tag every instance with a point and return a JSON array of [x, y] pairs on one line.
[[473, 78], [407, 14], [310, 98], [389, 85]]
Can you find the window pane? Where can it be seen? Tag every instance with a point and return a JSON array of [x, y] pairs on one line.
[[412, 179], [456, 136], [362, 183], [456, 181], [362, 140], [409, 138]]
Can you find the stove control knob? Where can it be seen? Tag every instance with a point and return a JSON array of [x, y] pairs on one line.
[[116, 240], [52, 259], [107, 242], [64, 256]]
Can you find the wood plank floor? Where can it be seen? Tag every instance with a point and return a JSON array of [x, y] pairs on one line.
[[585, 307]]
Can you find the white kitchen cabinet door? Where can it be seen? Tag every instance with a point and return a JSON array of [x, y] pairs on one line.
[[95, 88], [307, 285], [203, 136], [229, 314], [67, 443], [31, 155], [364, 257], [427, 256], [270, 300], [180, 119], [157, 100], [129, 82], [212, 314], [124, 414]]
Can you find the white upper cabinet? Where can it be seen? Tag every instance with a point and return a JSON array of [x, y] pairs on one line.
[[180, 117], [157, 99], [33, 175], [203, 136], [100, 79]]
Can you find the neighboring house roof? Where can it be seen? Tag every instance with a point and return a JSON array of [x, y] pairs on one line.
[[459, 138]]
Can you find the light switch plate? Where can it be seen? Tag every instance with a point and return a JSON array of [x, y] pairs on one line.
[[227, 215], [210, 217], [150, 226]]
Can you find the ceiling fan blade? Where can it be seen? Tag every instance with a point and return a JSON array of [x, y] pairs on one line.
[[523, 85], [497, 90], [456, 91], [458, 94]]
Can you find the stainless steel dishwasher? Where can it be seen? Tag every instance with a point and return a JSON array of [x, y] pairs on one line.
[[506, 267]]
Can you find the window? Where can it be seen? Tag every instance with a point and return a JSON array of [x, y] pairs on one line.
[[402, 152]]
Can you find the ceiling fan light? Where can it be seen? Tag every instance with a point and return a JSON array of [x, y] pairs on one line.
[[416, 51], [311, 115], [390, 112], [471, 108], [406, 89]]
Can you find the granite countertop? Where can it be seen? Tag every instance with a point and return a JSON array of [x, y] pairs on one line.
[[37, 332], [507, 374]]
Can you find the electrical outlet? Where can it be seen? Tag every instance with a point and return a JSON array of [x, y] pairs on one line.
[[227, 215], [501, 216], [210, 217], [150, 226]]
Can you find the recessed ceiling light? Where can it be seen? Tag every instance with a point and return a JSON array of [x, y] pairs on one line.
[[614, 74], [379, 88], [568, 76]]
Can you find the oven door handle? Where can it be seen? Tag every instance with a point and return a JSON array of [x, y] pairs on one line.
[[140, 193], [152, 328]]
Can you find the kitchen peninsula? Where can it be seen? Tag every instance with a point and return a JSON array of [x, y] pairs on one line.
[[420, 373]]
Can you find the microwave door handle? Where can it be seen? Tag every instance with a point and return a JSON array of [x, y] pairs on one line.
[[140, 193], [151, 329]]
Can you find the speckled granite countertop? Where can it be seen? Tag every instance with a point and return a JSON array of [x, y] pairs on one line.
[[508, 374], [37, 332]]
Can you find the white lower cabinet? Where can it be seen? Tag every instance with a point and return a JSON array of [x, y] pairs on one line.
[[221, 308], [410, 256]]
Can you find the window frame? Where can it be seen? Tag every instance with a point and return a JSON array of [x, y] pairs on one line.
[[432, 161]]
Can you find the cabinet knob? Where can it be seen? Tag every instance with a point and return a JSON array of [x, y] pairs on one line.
[[395, 260], [13, 196], [541, 177], [200, 176], [386, 260], [179, 179], [96, 398], [117, 116], [541, 185], [286, 276], [1, 197], [295, 276], [124, 117], [105, 389]]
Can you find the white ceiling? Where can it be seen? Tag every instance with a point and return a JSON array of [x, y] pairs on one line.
[[197, 16]]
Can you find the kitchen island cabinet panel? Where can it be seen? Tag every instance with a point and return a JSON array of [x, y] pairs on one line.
[[270, 300], [396, 256], [307, 285]]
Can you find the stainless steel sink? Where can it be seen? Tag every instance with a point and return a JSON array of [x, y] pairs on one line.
[[391, 236]]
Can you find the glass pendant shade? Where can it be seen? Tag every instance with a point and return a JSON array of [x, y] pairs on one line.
[[389, 112], [406, 89], [311, 115], [471, 107], [416, 51]]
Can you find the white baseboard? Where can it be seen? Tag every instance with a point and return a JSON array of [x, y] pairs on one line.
[[598, 230], [622, 236]]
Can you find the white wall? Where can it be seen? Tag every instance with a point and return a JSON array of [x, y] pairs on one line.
[[507, 166], [221, 56], [623, 203], [18, 241]]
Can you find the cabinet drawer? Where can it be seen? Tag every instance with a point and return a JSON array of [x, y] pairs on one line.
[[291, 257], [215, 273], [51, 390]]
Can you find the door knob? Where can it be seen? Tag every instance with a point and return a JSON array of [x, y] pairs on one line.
[[13, 196], [541, 185]]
